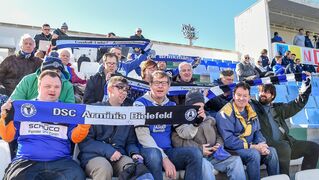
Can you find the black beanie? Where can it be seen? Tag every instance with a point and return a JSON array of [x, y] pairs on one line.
[[194, 96]]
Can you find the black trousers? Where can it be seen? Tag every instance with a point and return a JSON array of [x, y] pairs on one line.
[[307, 149]]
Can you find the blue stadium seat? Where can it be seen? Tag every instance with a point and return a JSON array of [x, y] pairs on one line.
[[228, 61], [315, 91], [232, 66], [317, 100], [217, 60], [300, 119], [291, 97], [313, 115], [200, 69], [212, 69], [211, 63], [281, 89], [214, 76], [292, 83], [203, 62], [223, 66], [293, 90], [254, 90], [281, 98], [315, 81], [311, 103]]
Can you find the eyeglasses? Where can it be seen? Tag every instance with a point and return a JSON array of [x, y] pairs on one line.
[[110, 63], [122, 88], [246, 57], [46, 29], [157, 83], [139, 31]]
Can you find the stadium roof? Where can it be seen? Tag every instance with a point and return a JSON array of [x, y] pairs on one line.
[[294, 14]]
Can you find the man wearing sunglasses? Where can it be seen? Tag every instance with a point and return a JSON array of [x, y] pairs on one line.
[[138, 34], [107, 149], [45, 35]]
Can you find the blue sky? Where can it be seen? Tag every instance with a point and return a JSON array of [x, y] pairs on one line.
[[160, 20]]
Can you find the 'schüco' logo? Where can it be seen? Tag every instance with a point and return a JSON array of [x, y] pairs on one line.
[[190, 114], [28, 110]]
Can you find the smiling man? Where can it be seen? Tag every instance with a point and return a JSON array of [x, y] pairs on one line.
[[157, 148], [44, 149], [185, 77], [239, 127], [273, 126], [107, 149]]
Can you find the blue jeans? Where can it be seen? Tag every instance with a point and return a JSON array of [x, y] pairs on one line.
[[252, 159], [63, 169], [232, 166], [184, 158]]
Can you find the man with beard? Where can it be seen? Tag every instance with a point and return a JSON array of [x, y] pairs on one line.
[[239, 126], [272, 121]]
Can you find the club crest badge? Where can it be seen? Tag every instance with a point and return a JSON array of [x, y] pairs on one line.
[[28, 110], [190, 114]]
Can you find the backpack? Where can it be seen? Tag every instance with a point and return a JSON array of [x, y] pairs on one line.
[[135, 171]]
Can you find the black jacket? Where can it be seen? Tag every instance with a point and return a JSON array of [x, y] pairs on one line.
[[104, 140], [39, 37], [280, 111]]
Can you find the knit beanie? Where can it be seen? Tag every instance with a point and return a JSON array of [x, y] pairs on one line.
[[64, 26], [194, 96]]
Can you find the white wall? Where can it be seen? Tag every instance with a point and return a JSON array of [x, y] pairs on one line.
[[166, 48], [252, 32], [10, 35]]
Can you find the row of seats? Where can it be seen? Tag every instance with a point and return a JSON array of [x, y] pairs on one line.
[[311, 174]]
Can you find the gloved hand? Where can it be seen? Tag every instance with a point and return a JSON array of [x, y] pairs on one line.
[[9, 116], [198, 120], [305, 88]]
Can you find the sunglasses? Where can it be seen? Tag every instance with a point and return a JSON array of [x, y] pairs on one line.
[[122, 88]]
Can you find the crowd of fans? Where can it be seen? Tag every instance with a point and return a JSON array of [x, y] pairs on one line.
[[301, 39], [232, 130], [264, 67]]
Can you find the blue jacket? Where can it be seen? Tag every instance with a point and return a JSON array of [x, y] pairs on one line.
[[293, 68], [232, 130], [278, 69], [103, 141], [126, 67], [154, 136], [308, 42]]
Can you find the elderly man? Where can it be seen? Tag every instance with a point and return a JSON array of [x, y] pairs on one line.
[[246, 70], [64, 55], [185, 77], [273, 126], [239, 127], [156, 141], [107, 149], [42, 153], [27, 88], [13, 68]]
